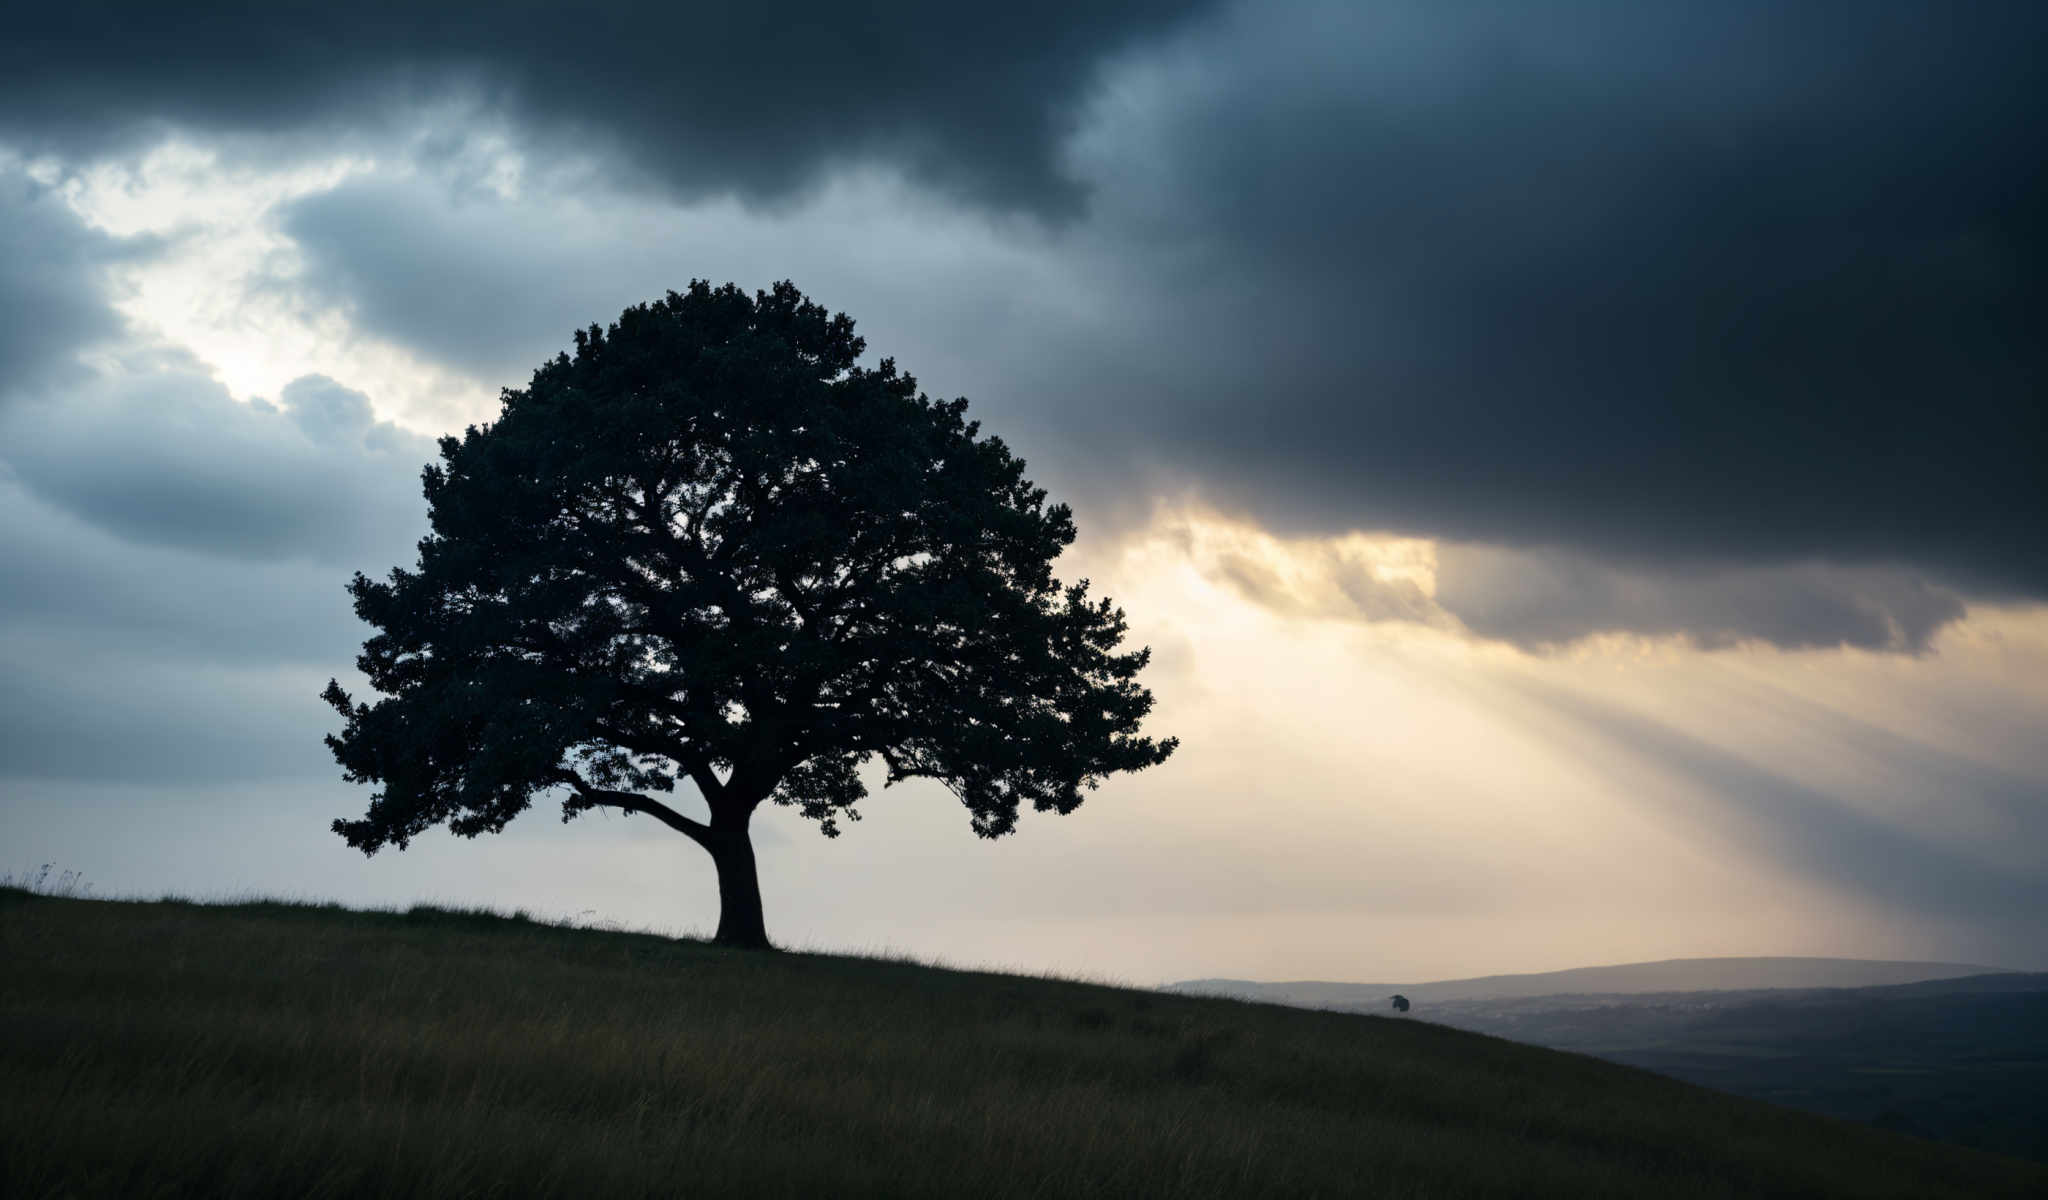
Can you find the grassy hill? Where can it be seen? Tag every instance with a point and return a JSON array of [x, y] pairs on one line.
[[173, 1049], [1962, 1060]]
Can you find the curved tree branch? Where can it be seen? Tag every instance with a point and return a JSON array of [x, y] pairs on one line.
[[695, 830]]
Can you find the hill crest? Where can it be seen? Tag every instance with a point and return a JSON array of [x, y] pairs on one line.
[[1664, 975]]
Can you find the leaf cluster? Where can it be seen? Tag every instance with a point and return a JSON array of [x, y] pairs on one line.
[[710, 546]]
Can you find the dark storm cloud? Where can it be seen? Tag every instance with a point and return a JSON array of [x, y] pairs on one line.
[[1541, 600], [155, 722], [169, 459], [710, 98], [173, 595], [1741, 297], [1708, 318], [125, 658], [71, 587], [50, 303], [1658, 284], [456, 281], [171, 561], [493, 284]]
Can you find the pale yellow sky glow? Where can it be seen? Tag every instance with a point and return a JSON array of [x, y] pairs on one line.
[[1366, 790], [1394, 774]]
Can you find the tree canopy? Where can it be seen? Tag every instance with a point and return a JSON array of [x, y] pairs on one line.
[[709, 548]]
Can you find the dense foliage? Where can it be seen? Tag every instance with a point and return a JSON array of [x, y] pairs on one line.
[[709, 547]]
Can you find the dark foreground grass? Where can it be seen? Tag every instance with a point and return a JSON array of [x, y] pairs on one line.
[[173, 1049]]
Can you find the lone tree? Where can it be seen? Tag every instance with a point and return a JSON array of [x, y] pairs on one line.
[[709, 547]]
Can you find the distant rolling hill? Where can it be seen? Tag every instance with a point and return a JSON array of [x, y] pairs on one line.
[[1963, 1060], [1960, 1058], [1670, 975]]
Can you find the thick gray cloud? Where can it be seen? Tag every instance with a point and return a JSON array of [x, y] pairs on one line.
[[448, 272], [173, 599], [1728, 308], [72, 588], [1547, 599], [485, 285], [167, 458], [493, 285], [1658, 284], [1705, 319], [708, 98], [67, 714], [50, 301]]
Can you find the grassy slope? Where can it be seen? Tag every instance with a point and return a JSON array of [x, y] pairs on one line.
[[168, 1049], [1963, 1060]]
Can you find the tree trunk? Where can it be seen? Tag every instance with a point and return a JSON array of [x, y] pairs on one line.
[[740, 923]]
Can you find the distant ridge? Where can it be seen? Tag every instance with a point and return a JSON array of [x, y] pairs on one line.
[[1669, 975]]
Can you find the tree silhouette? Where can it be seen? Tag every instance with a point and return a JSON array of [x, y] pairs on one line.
[[709, 547]]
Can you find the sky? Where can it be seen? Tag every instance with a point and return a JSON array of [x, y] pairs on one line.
[[1581, 467]]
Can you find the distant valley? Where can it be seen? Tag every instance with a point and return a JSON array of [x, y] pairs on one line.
[[1947, 1051], [1669, 975]]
